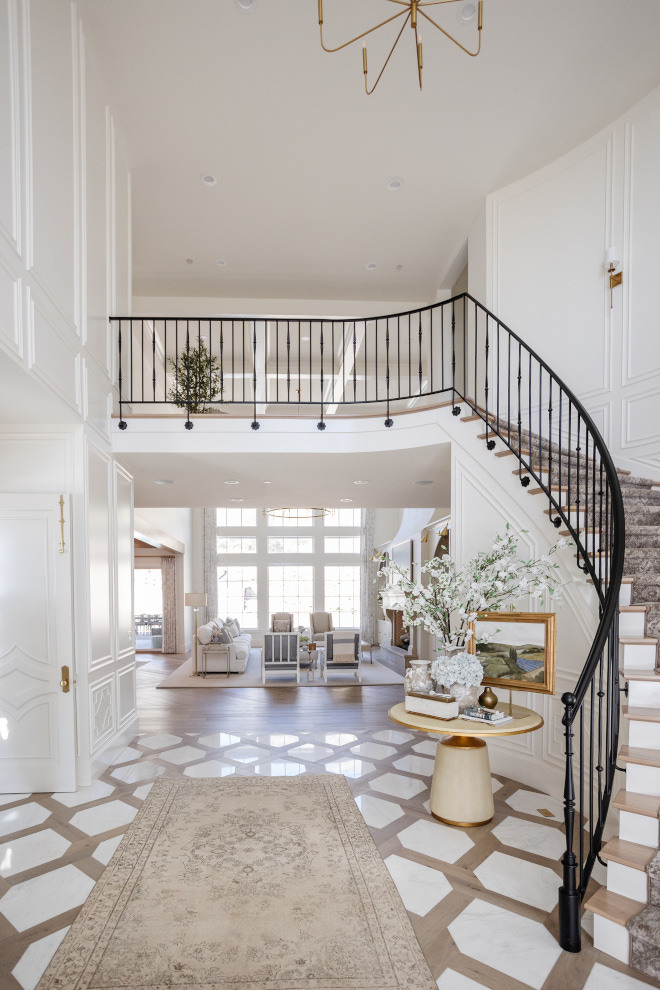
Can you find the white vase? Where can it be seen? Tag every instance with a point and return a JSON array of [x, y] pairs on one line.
[[418, 678], [465, 694]]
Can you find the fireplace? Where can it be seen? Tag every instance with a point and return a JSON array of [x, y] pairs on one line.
[[400, 632]]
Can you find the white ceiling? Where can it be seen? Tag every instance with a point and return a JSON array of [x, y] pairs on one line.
[[303, 156], [298, 479]]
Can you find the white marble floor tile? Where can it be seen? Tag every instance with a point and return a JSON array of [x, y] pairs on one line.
[[336, 738], [102, 818], [534, 804], [516, 946], [350, 767], [141, 792], [138, 771], [376, 812], [105, 850], [428, 747], [436, 840], [34, 901], [10, 798], [218, 739], [308, 751], [99, 789], [392, 736], [495, 784], [415, 764], [398, 786], [247, 754], [451, 980], [603, 978], [420, 887], [373, 751], [523, 881], [160, 741], [23, 816], [126, 756], [542, 840], [210, 768], [32, 850], [280, 768], [276, 739], [182, 754], [32, 965]]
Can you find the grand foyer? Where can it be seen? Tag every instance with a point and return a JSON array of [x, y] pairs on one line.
[[83, 239]]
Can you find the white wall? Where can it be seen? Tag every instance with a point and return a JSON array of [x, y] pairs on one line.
[[545, 245], [64, 249]]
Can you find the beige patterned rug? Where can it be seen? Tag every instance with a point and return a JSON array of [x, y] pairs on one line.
[[270, 884]]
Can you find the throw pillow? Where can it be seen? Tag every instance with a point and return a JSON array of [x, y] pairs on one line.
[[223, 636], [205, 634], [232, 627], [281, 625]]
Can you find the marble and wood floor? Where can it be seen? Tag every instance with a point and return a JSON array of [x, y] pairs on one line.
[[482, 900]]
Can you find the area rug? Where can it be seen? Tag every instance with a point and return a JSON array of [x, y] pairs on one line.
[[373, 674], [271, 884]]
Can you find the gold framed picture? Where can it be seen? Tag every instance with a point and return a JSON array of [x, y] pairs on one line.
[[519, 651]]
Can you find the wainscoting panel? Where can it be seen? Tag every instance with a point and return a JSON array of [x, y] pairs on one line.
[[11, 329], [10, 158], [102, 708], [101, 592], [126, 692]]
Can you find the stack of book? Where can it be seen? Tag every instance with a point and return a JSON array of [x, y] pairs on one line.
[[490, 716]]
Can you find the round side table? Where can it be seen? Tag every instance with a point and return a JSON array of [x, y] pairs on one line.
[[461, 791]]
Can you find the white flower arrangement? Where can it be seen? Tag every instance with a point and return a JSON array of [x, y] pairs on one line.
[[462, 668], [453, 597]]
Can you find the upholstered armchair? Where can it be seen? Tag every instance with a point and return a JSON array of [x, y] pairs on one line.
[[282, 617], [320, 623], [281, 651]]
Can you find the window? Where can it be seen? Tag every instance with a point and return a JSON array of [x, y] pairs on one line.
[[237, 594], [290, 544], [342, 544], [236, 517], [343, 517], [299, 517], [291, 589], [342, 595], [237, 544]]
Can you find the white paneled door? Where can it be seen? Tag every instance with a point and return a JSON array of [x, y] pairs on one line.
[[37, 731]]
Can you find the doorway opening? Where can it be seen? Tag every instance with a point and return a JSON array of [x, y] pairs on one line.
[[148, 591]]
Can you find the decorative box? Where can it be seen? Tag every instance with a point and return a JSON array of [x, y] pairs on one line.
[[443, 706]]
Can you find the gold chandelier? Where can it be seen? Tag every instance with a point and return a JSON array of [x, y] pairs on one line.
[[410, 11]]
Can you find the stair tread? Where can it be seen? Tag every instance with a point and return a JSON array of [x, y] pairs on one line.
[[639, 804], [638, 754], [631, 854], [640, 714], [639, 674], [632, 608], [614, 907], [638, 641]]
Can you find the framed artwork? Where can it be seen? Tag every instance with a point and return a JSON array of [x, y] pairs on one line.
[[402, 554], [520, 651]]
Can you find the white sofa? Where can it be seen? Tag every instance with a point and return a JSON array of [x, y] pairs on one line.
[[218, 664]]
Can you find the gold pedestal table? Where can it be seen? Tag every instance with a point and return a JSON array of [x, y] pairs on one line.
[[461, 791]]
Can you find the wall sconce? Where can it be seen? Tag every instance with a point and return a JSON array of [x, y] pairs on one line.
[[613, 261]]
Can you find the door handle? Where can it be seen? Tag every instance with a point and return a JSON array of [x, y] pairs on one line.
[[64, 683]]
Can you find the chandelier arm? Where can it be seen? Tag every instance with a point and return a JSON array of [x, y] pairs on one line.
[[366, 88], [358, 36], [447, 35]]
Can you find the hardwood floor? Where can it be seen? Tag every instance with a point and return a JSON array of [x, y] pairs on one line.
[[180, 710]]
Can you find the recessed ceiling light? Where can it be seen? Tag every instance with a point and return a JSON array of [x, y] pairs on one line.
[[189, 261], [345, 499], [468, 10], [423, 482], [246, 5], [371, 265], [394, 184], [236, 499], [268, 482], [220, 262], [164, 481], [208, 179], [231, 482], [360, 482]]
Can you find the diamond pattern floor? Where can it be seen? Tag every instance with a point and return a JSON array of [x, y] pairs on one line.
[[482, 900]]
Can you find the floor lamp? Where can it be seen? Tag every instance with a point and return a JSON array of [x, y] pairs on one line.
[[197, 599]]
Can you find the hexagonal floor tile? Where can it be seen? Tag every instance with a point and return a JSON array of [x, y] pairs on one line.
[[397, 785], [11, 798], [99, 789], [392, 736], [218, 739], [182, 754], [517, 946], [523, 881], [276, 739], [602, 977], [160, 741], [32, 965], [350, 767], [126, 756], [336, 738], [210, 768], [420, 887], [247, 754], [415, 764], [35, 901], [373, 751], [428, 747], [280, 768], [376, 812], [536, 804], [542, 840], [30, 851], [141, 792], [138, 771], [105, 850], [436, 840], [451, 980], [308, 751], [104, 817], [24, 816]]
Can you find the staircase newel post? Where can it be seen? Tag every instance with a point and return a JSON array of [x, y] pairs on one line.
[[569, 895]]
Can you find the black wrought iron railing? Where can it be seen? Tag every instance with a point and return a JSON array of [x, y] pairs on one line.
[[459, 352]]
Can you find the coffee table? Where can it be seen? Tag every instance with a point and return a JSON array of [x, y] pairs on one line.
[[461, 791]]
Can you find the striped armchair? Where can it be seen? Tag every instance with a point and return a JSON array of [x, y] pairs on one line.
[[281, 651]]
